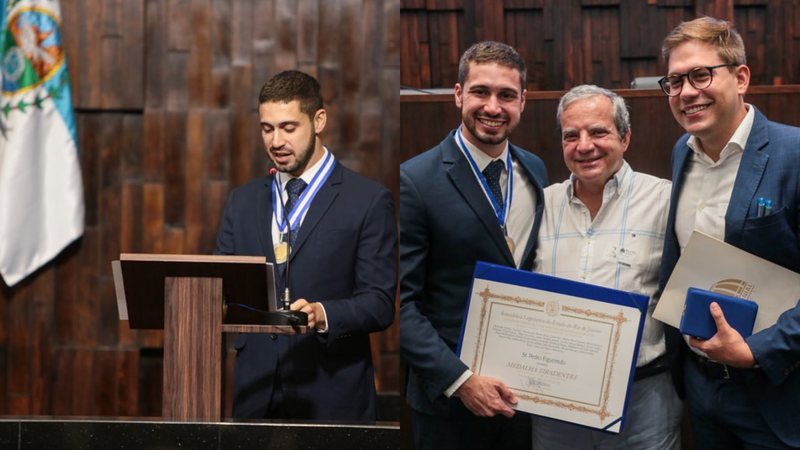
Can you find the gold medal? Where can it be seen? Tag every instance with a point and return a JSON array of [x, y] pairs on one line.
[[281, 250], [511, 245]]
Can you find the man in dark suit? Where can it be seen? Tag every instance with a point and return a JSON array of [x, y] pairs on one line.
[[340, 240], [742, 393], [472, 197]]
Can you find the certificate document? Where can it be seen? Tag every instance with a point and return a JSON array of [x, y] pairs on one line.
[[566, 349]]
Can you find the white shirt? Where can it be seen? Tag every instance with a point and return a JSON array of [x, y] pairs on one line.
[[621, 248], [707, 188]]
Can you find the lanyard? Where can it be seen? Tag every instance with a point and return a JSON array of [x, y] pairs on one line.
[[301, 207], [501, 211]]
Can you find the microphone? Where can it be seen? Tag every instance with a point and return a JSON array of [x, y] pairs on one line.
[[286, 294], [286, 315]]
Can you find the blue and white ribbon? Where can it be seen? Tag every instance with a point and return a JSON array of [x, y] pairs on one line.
[[301, 207], [501, 211]]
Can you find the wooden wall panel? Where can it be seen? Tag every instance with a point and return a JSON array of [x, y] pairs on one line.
[[604, 42], [165, 93], [427, 119]]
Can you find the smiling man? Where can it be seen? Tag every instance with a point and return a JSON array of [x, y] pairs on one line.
[[605, 226], [742, 393], [341, 241], [472, 197]]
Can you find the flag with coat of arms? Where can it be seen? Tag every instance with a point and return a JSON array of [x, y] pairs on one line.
[[41, 193]]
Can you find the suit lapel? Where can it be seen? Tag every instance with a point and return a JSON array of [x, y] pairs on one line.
[[530, 248], [264, 213], [681, 157], [751, 171], [319, 206], [462, 177]]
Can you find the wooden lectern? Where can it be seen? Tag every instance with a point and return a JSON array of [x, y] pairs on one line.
[[194, 299]]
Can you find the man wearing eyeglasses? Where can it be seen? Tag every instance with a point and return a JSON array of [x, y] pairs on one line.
[[742, 393]]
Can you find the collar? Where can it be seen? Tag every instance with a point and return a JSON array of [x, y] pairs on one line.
[[735, 145], [613, 186], [309, 173], [482, 159]]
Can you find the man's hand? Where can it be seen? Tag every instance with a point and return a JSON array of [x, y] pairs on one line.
[[486, 397], [316, 315], [727, 346]]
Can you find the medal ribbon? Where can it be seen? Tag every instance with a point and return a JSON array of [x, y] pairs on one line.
[[499, 210], [301, 207]]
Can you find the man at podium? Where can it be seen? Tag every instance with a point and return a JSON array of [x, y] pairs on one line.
[[334, 232]]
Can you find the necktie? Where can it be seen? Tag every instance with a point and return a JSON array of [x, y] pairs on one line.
[[492, 174], [294, 188]]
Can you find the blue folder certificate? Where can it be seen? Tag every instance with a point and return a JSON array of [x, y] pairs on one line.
[[567, 349]]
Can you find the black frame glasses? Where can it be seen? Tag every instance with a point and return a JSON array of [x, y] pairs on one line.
[[700, 78]]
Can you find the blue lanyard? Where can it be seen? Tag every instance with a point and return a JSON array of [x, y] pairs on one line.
[[304, 202], [499, 210]]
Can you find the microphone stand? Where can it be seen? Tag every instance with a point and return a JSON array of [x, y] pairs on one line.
[[286, 316]]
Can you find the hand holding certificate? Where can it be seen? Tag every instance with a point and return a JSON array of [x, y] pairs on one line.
[[567, 350]]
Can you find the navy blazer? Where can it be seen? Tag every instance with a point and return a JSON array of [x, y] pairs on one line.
[[345, 256], [770, 168], [446, 225]]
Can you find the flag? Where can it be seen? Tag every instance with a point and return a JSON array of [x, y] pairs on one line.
[[41, 193]]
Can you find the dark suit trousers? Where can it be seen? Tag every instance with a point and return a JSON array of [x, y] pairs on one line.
[[462, 430], [724, 415]]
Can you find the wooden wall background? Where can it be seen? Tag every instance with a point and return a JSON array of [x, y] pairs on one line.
[[571, 42], [427, 119], [165, 93]]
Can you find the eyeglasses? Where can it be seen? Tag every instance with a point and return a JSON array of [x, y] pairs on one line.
[[699, 77]]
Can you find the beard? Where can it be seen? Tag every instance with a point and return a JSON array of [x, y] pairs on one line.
[[301, 158], [488, 139]]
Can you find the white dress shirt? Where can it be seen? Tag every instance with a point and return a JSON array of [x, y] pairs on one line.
[[620, 248], [707, 188]]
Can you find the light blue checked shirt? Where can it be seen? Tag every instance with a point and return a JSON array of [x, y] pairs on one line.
[[620, 248]]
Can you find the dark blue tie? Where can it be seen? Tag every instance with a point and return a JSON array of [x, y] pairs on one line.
[[294, 188], [492, 174]]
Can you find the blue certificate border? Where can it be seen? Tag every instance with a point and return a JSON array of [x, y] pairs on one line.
[[503, 274]]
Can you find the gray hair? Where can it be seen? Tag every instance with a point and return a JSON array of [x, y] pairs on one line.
[[622, 118]]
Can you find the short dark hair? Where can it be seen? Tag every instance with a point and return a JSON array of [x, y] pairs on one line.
[[293, 85], [492, 52]]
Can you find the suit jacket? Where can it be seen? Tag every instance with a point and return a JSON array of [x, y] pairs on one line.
[[770, 168], [345, 256], [446, 225]]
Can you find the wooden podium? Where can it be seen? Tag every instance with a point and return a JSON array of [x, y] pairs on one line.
[[192, 298]]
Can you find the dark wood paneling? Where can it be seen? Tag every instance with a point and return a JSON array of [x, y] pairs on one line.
[[604, 42], [165, 94], [426, 120]]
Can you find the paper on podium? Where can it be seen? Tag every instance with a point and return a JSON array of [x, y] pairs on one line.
[[566, 349], [714, 265]]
